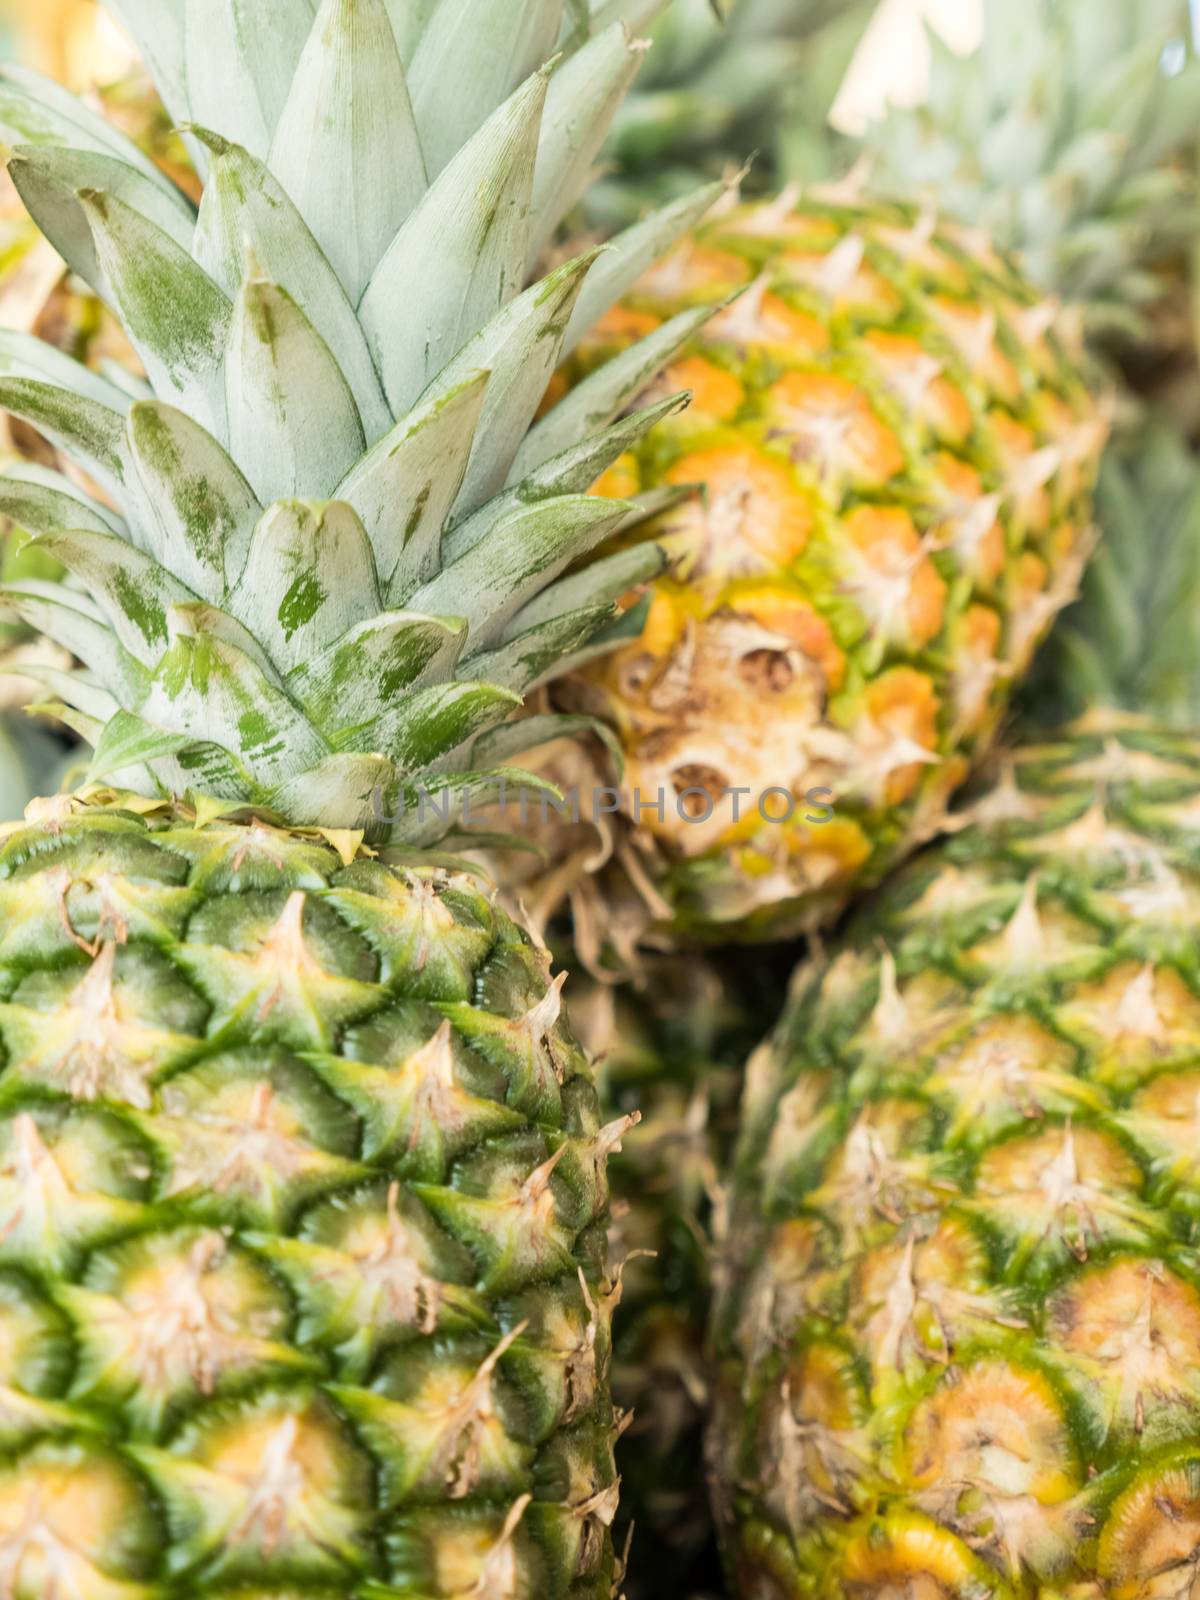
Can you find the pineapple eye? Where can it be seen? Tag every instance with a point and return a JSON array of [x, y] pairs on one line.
[[691, 782], [767, 670]]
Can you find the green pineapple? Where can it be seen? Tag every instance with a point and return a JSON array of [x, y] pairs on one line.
[[958, 1336], [303, 1199]]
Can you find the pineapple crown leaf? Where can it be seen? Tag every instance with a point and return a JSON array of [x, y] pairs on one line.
[[1130, 641], [331, 547], [1081, 164]]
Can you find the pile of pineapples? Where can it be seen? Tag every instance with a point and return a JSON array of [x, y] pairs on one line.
[[335, 1261]]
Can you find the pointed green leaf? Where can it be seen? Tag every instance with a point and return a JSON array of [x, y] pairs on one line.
[[520, 348], [203, 510], [626, 629], [240, 57], [631, 253], [309, 578], [157, 29], [175, 315], [608, 391], [204, 683], [404, 489], [534, 655], [48, 179], [572, 472], [58, 614], [584, 97], [294, 429], [531, 733], [87, 433], [41, 507], [374, 663], [419, 730], [475, 223], [472, 56], [343, 791], [132, 590], [23, 355], [244, 204], [600, 583], [36, 110], [346, 148], [524, 554], [127, 742]]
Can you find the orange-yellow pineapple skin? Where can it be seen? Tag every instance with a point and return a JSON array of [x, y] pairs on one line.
[[884, 482]]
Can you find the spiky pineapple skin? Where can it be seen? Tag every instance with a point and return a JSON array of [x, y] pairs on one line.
[[895, 452], [958, 1333], [302, 1182]]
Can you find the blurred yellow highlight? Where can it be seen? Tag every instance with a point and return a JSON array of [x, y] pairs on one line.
[[74, 41]]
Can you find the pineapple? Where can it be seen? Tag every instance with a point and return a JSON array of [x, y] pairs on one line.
[[958, 1333], [303, 1197], [896, 452]]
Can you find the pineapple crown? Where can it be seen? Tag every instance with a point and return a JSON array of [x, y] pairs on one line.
[[1068, 137], [1130, 642], [331, 544]]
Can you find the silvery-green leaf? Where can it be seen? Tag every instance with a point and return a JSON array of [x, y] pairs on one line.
[[433, 803], [202, 508], [130, 385], [418, 730], [36, 110], [531, 733], [525, 553], [23, 355], [76, 687], [520, 348], [404, 489], [294, 429], [216, 623], [240, 58], [33, 472], [603, 395], [57, 613], [245, 204], [626, 629], [474, 223], [309, 578], [535, 653], [472, 56], [157, 29], [45, 508], [127, 741], [203, 682], [48, 179], [90, 435], [345, 791], [346, 148], [631, 253], [409, 20], [572, 472], [175, 315], [132, 590], [584, 96], [379, 659], [600, 583]]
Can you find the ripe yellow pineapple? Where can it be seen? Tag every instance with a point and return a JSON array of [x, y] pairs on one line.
[[895, 449]]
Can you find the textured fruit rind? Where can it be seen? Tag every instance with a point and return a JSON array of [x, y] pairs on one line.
[[896, 448], [302, 1226], [959, 1331]]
